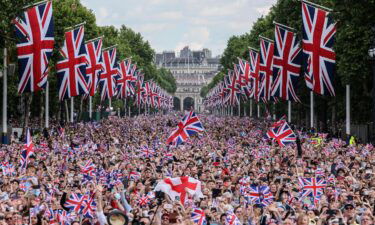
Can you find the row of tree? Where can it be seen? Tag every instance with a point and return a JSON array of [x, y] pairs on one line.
[[355, 20], [68, 13]]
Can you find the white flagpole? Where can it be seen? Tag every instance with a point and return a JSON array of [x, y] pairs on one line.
[[289, 111], [274, 111], [90, 107], [311, 109], [5, 88], [71, 109], [239, 108], [348, 109], [258, 109], [47, 106], [125, 107], [251, 108]]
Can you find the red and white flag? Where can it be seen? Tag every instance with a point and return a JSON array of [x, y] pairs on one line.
[[179, 187]]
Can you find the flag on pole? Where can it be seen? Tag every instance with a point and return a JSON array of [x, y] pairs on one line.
[[27, 150]]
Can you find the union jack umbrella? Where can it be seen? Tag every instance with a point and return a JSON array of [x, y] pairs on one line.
[[95, 63], [34, 30], [258, 195], [265, 68], [72, 70], [318, 31], [109, 76], [198, 216], [27, 150], [286, 63], [282, 133], [189, 125]]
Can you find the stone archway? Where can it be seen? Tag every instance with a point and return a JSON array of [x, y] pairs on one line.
[[188, 103], [176, 104]]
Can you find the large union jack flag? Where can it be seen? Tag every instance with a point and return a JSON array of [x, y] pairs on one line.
[[27, 150], [95, 63], [127, 78], [281, 133], [254, 73], [319, 57], [232, 88], [72, 70], [265, 68], [286, 64], [76, 202], [109, 76], [35, 41], [188, 126]]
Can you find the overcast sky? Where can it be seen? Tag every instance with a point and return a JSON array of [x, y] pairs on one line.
[[173, 24]]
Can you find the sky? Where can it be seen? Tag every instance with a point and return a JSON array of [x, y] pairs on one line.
[[173, 24]]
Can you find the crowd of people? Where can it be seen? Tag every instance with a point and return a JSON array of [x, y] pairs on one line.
[[106, 173]]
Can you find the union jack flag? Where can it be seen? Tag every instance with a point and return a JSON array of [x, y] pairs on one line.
[[35, 40], [254, 72], [64, 217], [143, 201], [147, 152], [281, 133], [27, 150], [90, 207], [286, 64], [134, 175], [318, 31], [95, 63], [188, 126], [312, 187], [259, 195], [232, 88], [109, 76], [150, 93], [72, 70], [88, 168], [265, 68], [232, 219], [127, 77], [198, 216], [76, 202]]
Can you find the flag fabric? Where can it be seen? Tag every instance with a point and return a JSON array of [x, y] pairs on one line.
[[258, 195], [232, 88], [179, 187], [245, 78], [281, 133], [127, 77], [134, 175], [318, 31], [34, 30], [143, 201], [232, 219], [254, 73], [286, 64], [312, 187], [198, 216], [88, 168], [109, 76], [265, 68], [76, 202], [72, 69], [95, 64], [188, 126], [27, 150], [147, 152], [89, 209]]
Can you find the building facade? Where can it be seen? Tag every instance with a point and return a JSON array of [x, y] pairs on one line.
[[192, 70]]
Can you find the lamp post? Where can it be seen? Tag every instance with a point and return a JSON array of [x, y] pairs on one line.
[[371, 53]]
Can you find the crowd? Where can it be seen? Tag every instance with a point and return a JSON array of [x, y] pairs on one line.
[[106, 173]]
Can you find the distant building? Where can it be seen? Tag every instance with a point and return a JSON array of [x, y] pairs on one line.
[[192, 70]]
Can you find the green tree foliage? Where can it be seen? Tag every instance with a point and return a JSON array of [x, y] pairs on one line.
[[353, 39], [68, 13]]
